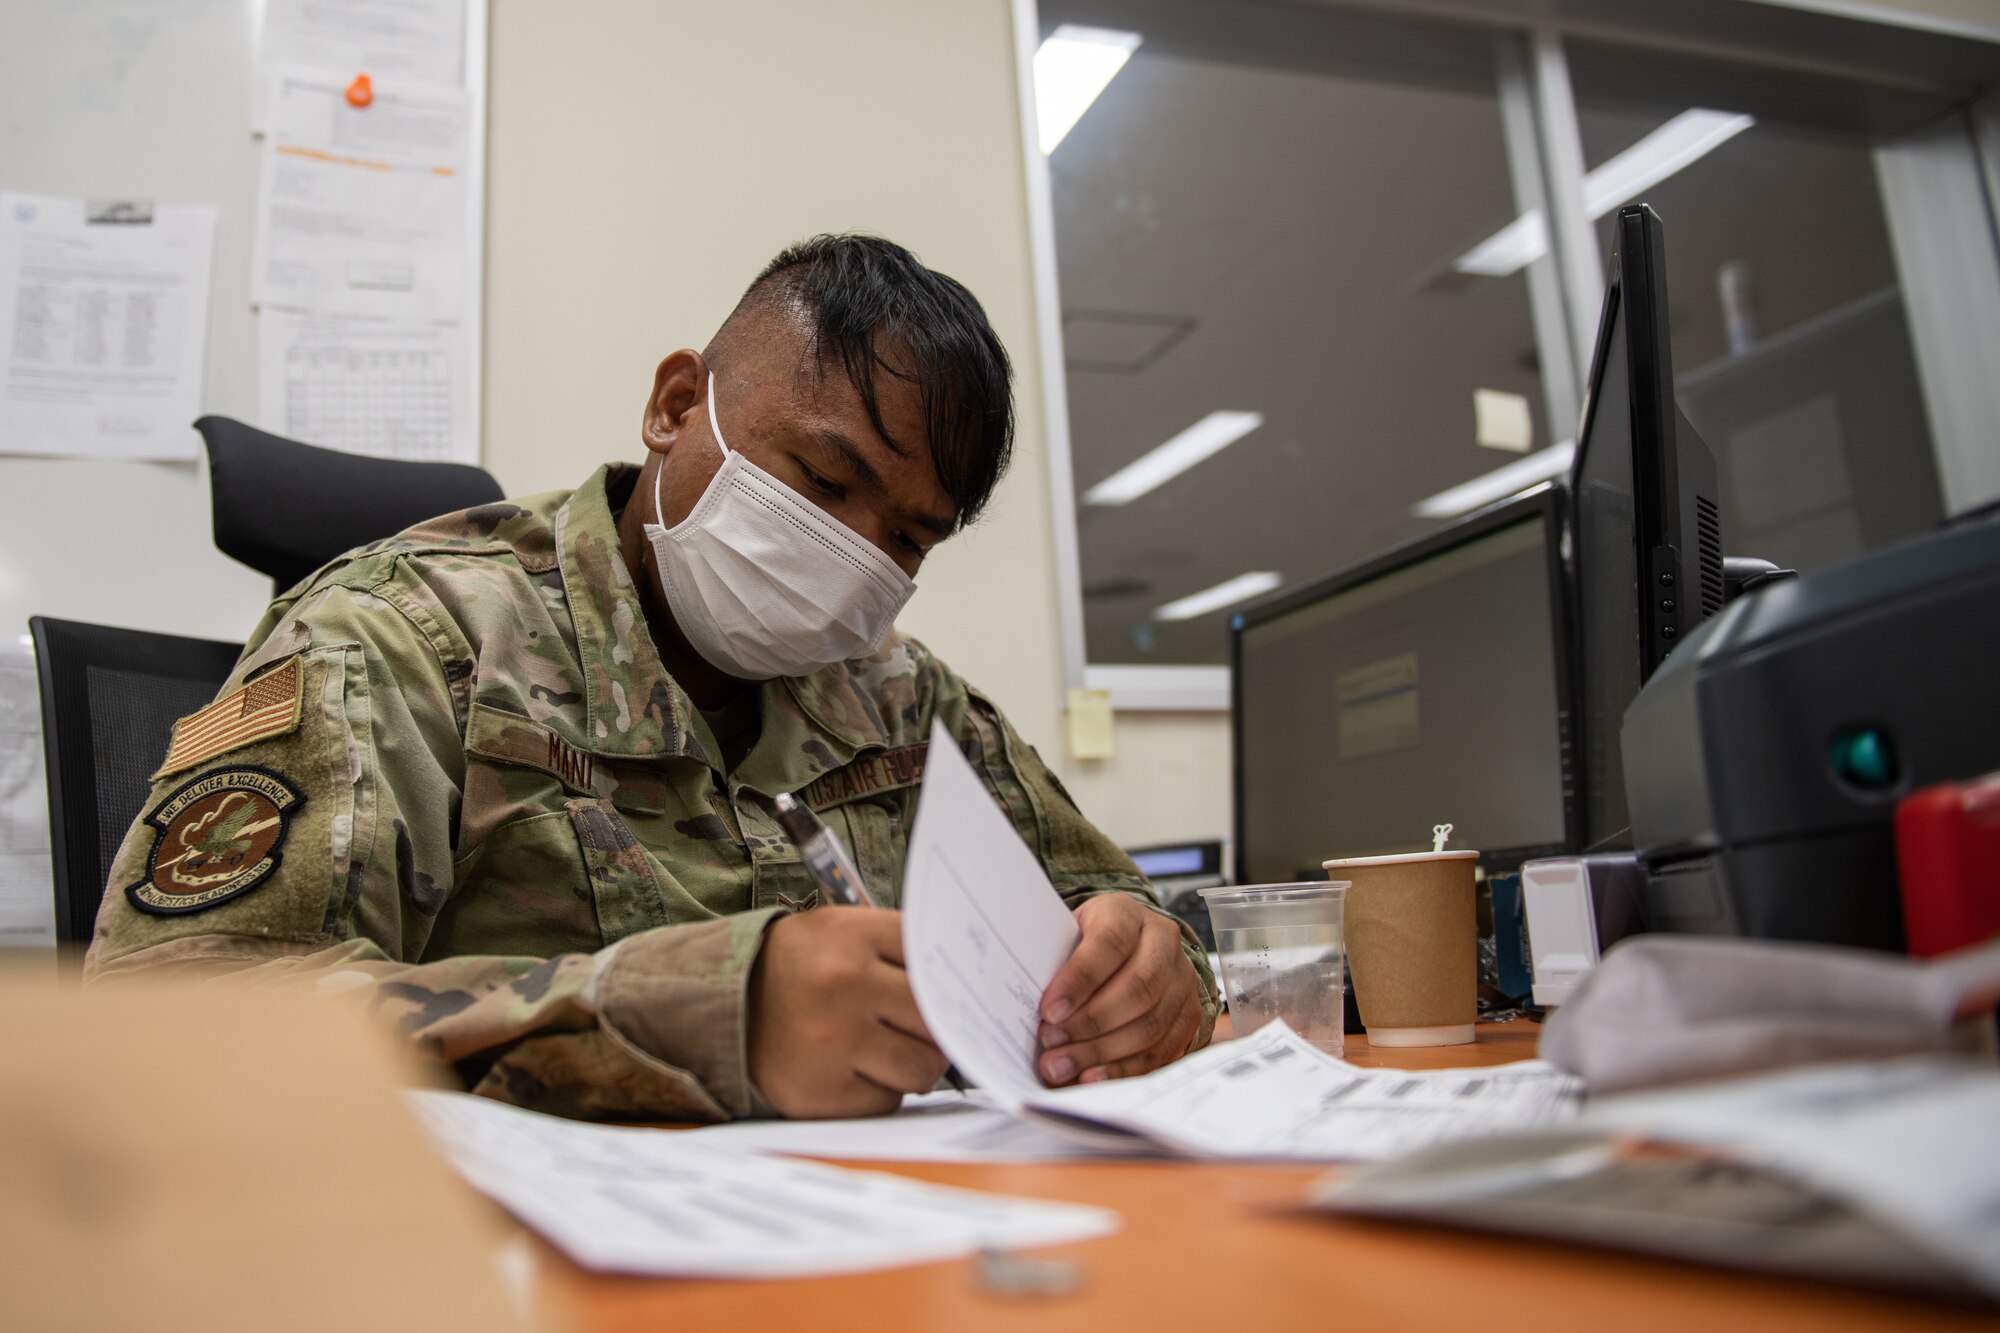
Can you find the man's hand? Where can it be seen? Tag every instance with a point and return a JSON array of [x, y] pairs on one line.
[[834, 1030], [1127, 1001]]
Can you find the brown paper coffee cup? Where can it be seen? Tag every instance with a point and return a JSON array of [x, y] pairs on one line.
[[1412, 944]]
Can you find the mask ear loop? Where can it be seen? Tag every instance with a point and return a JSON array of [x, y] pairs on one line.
[[715, 427]]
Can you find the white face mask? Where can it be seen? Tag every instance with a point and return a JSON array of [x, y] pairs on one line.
[[764, 582]]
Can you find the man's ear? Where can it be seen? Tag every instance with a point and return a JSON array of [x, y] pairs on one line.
[[678, 386]]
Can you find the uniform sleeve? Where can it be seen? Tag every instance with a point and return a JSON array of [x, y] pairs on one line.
[[304, 834], [1081, 862]]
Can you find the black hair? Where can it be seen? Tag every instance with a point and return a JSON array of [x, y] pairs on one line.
[[871, 305]]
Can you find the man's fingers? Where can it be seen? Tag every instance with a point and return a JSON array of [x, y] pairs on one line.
[[883, 929], [1109, 935], [1137, 986], [1133, 1049], [896, 1005], [898, 1061]]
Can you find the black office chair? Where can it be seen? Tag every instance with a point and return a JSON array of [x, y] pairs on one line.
[[285, 508], [110, 698]]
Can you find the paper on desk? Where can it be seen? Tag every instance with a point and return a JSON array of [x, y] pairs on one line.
[[363, 211], [934, 1127], [103, 326], [1273, 1095], [1910, 1141], [27, 897], [664, 1203], [389, 388], [983, 932]]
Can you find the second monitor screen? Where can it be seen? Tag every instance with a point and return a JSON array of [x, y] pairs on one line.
[[1425, 695]]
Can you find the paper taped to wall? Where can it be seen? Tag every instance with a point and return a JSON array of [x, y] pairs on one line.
[[362, 211], [103, 325]]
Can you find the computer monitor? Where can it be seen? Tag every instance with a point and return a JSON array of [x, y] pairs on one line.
[[1648, 558], [1429, 685]]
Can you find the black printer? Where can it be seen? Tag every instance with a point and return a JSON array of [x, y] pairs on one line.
[[1764, 758]]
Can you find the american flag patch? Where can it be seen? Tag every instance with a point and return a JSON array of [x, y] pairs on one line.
[[268, 706]]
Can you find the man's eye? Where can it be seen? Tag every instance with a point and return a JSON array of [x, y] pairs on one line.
[[909, 544], [819, 483]]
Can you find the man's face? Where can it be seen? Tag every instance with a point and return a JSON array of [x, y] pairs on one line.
[[810, 431]]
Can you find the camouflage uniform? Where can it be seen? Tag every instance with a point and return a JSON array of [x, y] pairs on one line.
[[515, 826]]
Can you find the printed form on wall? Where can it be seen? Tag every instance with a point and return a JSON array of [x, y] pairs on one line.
[[362, 269], [103, 321], [385, 39]]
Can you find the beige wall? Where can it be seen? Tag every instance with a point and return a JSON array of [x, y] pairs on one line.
[[646, 159]]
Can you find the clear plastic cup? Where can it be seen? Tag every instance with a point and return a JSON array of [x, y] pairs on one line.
[[1283, 952]]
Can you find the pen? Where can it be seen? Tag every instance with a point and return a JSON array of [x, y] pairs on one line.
[[831, 868]]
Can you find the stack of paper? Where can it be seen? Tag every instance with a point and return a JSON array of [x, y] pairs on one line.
[[654, 1202], [1881, 1173], [1274, 1095]]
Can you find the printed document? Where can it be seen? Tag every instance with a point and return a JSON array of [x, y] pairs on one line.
[[390, 388], [932, 1127], [984, 933], [362, 211], [1879, 1173], [1273, 1095], [103, 324], [663, 1203], [384, 39]]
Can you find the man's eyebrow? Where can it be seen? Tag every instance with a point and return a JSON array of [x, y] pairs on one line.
[[857, 462]]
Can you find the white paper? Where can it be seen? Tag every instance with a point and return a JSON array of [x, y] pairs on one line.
[[102, 326], [1272, 1095], [984, 933], [666, 1203], [388, 388], [27, 883], [1910, 1141], [398, 39], [934, 1127], [362, 211]]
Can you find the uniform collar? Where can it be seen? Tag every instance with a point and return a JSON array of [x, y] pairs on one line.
[[632, 707]]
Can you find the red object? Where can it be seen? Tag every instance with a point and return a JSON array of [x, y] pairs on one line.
[[1948, 857], [360, 92]]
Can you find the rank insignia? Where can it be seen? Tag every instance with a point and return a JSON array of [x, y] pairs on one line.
[[797, 905], [219, 837]]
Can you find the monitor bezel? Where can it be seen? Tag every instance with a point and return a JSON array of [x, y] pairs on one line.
[[1636, 280], [1548, 501], [1673, 475]]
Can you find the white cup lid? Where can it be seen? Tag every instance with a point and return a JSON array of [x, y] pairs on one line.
[[1396, 858]]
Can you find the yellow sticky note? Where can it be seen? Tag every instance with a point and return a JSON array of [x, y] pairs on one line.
[[1089, 724]]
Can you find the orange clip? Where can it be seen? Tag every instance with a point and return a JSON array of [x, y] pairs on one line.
[[360, 92]]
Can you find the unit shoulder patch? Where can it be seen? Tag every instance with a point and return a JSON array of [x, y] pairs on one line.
[[219, 836], [265, 707]]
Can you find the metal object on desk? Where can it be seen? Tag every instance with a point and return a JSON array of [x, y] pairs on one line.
[[1012, 1275]]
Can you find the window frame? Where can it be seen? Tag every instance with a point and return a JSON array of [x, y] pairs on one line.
[[1544, 149]]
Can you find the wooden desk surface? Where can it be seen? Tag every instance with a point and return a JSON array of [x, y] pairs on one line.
[[1228, 1249]]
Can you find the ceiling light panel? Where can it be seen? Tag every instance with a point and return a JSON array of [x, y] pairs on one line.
[[1227, 593], [1199, 442], [1685, 139], [1500, 483], [1072, 66]]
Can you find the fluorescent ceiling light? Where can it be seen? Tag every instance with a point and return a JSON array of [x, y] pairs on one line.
[[1071, 68], [1499, 483], [1686, 138], [1204, 439], [1227, 593]]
